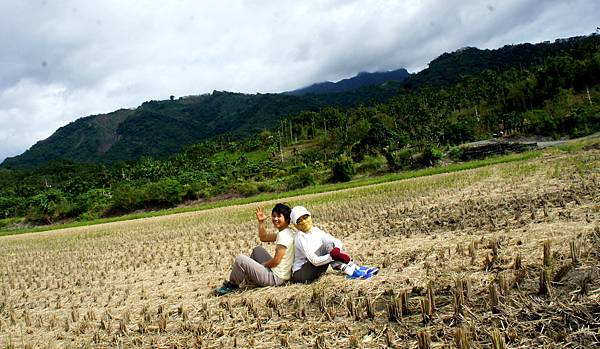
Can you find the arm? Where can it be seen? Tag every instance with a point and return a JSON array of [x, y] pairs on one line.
[[312, 256], [279, 253], [263, 235], [328, 238]]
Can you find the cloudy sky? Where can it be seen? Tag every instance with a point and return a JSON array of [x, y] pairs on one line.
[[62, 60]]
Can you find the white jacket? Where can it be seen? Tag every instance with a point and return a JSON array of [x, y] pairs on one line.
[[307, 244]]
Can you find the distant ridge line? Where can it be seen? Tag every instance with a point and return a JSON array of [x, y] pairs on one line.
[[362, 79]]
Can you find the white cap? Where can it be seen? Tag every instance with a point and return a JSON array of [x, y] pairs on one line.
[[298, 212]]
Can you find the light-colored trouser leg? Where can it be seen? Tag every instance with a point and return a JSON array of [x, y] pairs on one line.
[[249, 269], [309, 272], [260, 255]]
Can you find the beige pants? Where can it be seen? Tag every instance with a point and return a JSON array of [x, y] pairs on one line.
[[252, 271]]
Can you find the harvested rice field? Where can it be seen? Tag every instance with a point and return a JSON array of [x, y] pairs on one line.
[[501, 256]]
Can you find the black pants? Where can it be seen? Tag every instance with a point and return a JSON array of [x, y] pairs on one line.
[[309, 272]]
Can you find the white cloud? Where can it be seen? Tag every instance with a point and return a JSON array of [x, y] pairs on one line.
[[62, 60]]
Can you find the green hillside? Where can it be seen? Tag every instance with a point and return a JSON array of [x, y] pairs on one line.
[[162, 128], [447, 69]]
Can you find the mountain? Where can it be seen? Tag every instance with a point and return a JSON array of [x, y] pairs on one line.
[[159, 128], [361, 80], [162, 128], [448, 68]]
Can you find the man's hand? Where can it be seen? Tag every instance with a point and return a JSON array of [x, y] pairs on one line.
[[338, 255], [260, 214]]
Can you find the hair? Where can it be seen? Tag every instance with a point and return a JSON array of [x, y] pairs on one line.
[[283, 209]]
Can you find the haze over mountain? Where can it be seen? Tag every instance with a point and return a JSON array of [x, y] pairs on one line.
[[360, 80]]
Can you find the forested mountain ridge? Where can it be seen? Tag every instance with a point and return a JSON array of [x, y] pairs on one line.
[[362, 79], [448, 68], [162, 128]]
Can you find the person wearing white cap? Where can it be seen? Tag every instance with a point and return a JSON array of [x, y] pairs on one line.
[[315, 250]]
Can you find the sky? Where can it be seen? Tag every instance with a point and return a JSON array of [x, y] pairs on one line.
[[63, 60]]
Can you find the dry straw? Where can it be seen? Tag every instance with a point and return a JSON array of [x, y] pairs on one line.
[[547, 256], [423, 339], [494, 298], [148, 283], [497, 339], [462, 338]]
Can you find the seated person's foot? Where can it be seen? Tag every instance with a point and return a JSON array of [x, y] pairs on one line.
[[357, 274], [363, 273], [227, 287], [369, 270]]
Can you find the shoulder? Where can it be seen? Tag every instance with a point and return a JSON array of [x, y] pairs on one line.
[[300, 236], [289, 231], [317, 230], [285, 236]]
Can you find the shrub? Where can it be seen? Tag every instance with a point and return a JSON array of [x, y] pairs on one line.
[[343, 169], [431, 155], [247, 189], [399, 159], [50, 206], [581, 121], [11, 206], [312, 155], [93, 203], [8, 222], [456, 153], [302, 178], [266, 187], [457, 132], [370, 164], [165, 192], [541, 122], [196, 190], [127, 197]]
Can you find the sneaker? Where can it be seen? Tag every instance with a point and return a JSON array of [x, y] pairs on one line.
[[227, 287], [369, 270], [359, 274], [363, 273]]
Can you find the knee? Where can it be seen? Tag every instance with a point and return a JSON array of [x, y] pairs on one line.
[[325, 248], [240, 260]]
